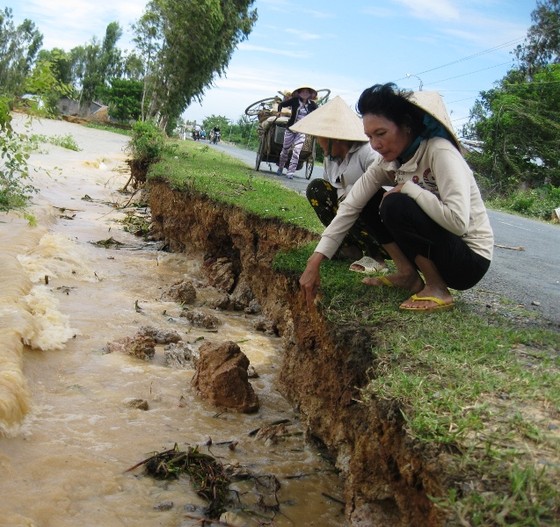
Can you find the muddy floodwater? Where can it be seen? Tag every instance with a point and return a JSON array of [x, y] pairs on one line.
[[69, 433]]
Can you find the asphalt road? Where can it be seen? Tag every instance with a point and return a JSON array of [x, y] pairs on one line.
[[526, 265]]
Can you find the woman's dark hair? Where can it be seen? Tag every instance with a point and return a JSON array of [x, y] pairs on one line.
[[393, 104]]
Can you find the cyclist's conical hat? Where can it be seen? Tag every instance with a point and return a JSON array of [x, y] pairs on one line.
[[431, 102], [304, 87], [334, 120]]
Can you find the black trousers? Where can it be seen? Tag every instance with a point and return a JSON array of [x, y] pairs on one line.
[[324, 199], [417, 234], [399, 219]]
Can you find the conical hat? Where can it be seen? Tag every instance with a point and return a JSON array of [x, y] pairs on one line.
[[334, 120], [431, 102], [305, 86]]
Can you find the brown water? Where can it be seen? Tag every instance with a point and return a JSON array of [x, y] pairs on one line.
[[68, 434]]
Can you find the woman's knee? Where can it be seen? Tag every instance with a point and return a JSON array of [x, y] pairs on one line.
[[395, 206], [316, 187]]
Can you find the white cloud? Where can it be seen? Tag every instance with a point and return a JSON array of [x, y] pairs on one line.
[[431, 9], [318, 14], [303, 35], [296, 53], [67, 23]]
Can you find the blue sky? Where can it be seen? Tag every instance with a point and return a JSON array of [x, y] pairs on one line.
[[457, 47]]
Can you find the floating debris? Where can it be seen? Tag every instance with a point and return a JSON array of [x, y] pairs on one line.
[[208, 476], [109, 242]]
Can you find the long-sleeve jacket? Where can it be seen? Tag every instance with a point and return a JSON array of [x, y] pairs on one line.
[[294, 103], [438, 178]]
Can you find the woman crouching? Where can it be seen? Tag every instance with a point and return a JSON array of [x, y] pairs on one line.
[[432, 222]]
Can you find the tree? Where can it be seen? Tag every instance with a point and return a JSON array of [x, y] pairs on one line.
[[518, 121], [186, 45], [542, 44], [44, 83], [61, 64], [519, 124], [18, 48], [96, 63], [124, 98]]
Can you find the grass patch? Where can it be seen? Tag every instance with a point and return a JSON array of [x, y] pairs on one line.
[[537, 203], [66, 141], [200, 168], [123, 130], [483, 388]]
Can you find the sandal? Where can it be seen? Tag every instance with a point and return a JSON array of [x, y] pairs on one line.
[[439, 304], [368, 265]]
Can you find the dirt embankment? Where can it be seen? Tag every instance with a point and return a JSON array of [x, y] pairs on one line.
[[388, 477]]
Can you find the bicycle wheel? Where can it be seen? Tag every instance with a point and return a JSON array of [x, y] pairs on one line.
[[309, 164], [261, 106], [259, 155]]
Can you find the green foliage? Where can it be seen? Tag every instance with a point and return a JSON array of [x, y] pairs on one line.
[[147, 143], [19, 46], [44, 83], [535, 203], [15, 185], [94, 64], [185, 45], [215, 120], [65, 141], [125, 99], [518, 123]]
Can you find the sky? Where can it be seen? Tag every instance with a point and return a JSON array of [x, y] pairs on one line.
[[456, 47]]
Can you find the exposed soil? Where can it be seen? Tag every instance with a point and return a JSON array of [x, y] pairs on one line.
[[387, 477]]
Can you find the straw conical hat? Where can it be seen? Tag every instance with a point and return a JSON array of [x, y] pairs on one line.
[[334, 120], [305, 86], [431, 102]]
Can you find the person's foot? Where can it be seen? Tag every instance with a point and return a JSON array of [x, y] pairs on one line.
[[289, 176], [279, 172], [412, 283], [429, 299]]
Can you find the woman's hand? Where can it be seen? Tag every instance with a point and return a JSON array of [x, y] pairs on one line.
[[393, 190], [311, 278]]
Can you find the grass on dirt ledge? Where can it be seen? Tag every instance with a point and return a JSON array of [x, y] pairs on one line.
[[485, 388]]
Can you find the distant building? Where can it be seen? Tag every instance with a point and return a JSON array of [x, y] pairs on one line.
[[67, 106]]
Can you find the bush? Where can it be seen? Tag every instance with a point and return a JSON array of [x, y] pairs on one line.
[[147, 143], [15, 186], [535, 203]]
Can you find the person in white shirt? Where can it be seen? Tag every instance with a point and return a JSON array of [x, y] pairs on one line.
[[347, 155]]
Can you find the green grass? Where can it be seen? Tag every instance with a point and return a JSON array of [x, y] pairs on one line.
[[66, 141], [111, 128], [537, 203], [198, 167], [481, 387]]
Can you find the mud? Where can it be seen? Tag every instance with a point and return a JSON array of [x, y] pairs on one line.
[[387, 477]]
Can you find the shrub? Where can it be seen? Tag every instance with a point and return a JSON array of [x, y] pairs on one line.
[[147, 143], [15, 185]]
